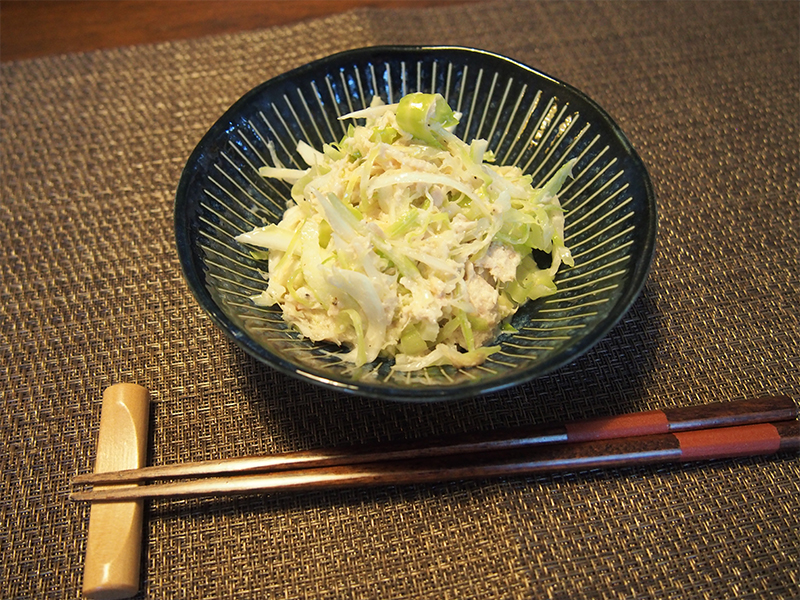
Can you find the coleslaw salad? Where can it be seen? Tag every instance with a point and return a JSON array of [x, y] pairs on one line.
[[404, 241]]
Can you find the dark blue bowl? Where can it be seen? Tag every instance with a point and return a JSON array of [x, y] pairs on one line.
[[530, 120]]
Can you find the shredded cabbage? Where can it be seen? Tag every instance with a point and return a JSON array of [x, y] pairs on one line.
[[404, 241]]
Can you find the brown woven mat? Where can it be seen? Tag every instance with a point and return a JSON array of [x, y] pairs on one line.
[[91, 294]]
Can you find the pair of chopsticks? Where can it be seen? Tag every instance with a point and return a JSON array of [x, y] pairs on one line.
[[754, 427]]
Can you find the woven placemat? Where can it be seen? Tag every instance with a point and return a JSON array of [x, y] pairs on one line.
[[91, 294]]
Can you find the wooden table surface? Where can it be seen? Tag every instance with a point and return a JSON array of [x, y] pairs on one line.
[[29, 29]]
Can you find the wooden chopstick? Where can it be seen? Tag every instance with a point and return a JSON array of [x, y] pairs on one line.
[[719, 414], [685, 446], [483, 455]]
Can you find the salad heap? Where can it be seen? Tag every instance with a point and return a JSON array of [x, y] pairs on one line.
[[403, 241]]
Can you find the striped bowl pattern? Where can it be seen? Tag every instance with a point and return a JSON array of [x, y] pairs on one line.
[[530, 120]]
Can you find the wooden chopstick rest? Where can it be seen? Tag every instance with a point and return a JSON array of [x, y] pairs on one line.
[[114, 542]]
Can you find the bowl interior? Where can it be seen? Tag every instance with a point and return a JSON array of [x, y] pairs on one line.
[[530, 120]]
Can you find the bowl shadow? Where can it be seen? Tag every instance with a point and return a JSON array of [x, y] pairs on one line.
[[609, 379]]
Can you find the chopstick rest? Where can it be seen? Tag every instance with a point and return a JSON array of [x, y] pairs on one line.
[[114, 542]]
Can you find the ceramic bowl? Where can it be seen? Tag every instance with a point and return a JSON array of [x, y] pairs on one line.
[[530, 119]]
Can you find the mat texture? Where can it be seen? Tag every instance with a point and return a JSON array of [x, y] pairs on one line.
[[91, 294]]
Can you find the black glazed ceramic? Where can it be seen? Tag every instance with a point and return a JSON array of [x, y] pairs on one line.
[[530, 120]]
